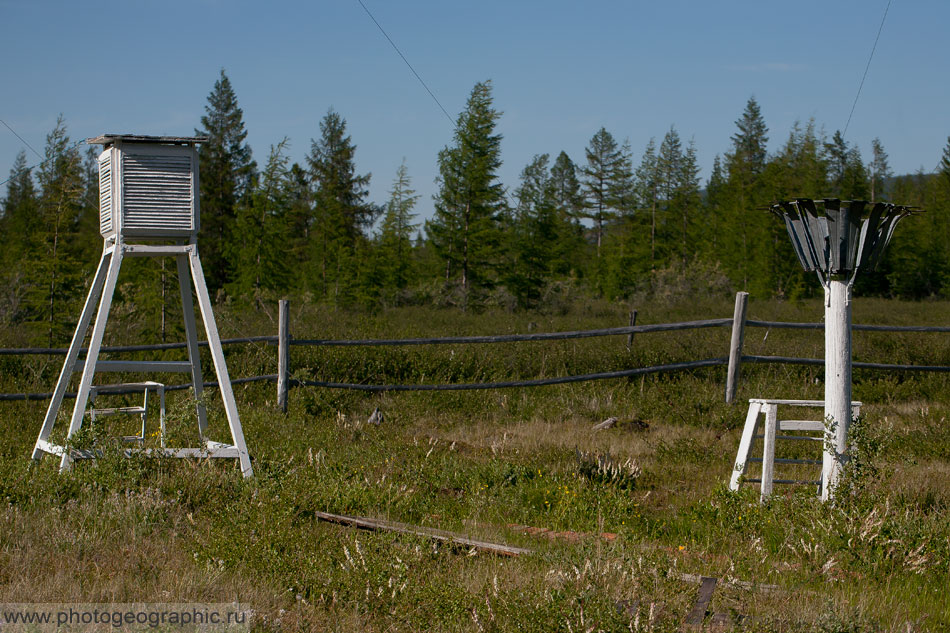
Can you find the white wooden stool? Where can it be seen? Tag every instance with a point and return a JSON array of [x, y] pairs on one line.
[[770, 434], [142, 411]]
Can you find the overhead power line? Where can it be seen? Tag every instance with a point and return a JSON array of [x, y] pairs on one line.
[[399, 52], [23, 140], [868, 66], [32, 167]]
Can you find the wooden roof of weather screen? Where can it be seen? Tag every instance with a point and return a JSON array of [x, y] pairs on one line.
[[109, 139]]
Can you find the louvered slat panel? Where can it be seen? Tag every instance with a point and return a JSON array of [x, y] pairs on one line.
[[157, 193], [105, 195]]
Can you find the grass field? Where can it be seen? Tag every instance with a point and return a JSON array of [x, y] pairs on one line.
[[483, 463]]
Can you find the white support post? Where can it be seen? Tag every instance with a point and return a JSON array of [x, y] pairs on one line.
[[220, 367], [745, 444], [768, 451], [92, 355], [95, 291], [283, 354], [837, 381], [735, 344], [191, 336]]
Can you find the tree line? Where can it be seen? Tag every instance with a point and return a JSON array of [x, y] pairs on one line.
[[608, 223]]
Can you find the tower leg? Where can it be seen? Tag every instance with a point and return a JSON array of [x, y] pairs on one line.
[[191, 334], [95, 291], [220, 367], [92, 356]]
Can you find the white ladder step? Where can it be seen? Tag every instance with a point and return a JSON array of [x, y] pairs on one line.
[[773, 430], [800, 425], [786, 481], [117, 411], [782, 460], [797, 438]]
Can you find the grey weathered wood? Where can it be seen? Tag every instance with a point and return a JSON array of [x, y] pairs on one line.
[[156, 347], [365, 523], [633, 322], [283, 353], [511, 338], [160, 366], [623, 373], [743, 584], [791, 360], [706, 588], [108, 139], [606, 424], [735, 344]]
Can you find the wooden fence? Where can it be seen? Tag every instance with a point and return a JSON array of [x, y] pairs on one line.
[[738, 323]]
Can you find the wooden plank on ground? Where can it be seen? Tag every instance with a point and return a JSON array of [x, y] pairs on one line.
[[365, 523], [703, 598]]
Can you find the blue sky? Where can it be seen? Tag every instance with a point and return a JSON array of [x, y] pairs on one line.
[[560, 71]]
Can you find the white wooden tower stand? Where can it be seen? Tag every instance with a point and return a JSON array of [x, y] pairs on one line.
[[148, 208]]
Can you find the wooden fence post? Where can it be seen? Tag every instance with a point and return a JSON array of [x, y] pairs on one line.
[[735, 345], [283, 353], [633, 321]]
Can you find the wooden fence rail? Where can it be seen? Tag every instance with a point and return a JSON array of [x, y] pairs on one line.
[[733, 361]]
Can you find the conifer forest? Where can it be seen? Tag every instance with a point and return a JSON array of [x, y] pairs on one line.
[[614, 222]]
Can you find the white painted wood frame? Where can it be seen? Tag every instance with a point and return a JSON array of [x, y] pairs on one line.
[[99, 300]]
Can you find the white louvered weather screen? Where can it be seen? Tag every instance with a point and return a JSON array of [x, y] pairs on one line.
[[105, 194], [148, 188], [157, 192]]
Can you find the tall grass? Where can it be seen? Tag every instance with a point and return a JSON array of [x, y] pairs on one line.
[[480, 462]]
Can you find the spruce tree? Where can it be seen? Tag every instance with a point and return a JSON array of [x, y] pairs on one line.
[[18, 222], [669, 162], [599, 181], [750, 141], [56, 263], [466, 228], [566, 188], [747, 246], [258, 253], [395, 239], [18, 217], [227, 170], [535, 233], [847, 178], [571, 250], [713, 205], [341, 212], [648, 188], [879, 170], [945, 162], [686, 200]]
